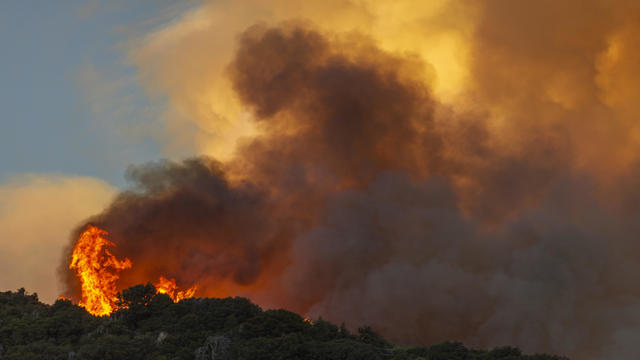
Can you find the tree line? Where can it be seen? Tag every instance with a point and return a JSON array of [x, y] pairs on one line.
[[152, 326]]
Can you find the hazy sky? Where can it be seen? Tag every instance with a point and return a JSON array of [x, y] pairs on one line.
[[51, 120]]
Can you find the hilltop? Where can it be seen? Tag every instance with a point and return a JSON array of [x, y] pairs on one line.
[[152, 326]]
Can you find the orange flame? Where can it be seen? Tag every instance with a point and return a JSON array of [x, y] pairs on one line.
[[98, 271], [169, 287]]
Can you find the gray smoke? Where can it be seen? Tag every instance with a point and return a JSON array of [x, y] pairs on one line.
[[366, 201]]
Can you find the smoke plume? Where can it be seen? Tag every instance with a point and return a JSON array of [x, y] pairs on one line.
[[506, 218]]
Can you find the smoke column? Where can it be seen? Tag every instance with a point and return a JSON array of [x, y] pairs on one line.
[[362, 197]]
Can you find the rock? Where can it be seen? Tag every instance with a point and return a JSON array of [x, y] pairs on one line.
[[163, 335], [215, 348]]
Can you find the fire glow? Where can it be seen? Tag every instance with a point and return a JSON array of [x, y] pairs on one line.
[[98, 271], [169, 287]]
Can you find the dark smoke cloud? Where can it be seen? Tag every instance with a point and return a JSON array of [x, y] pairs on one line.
[[185, 220], [352, 115], [358, 204]]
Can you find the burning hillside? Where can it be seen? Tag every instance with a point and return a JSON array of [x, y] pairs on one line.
[[363, 198], [98, 272]]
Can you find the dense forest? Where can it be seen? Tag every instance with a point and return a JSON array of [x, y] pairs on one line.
[[152, 326]]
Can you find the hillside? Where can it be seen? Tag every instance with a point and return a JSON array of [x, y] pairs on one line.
[[152, 326]]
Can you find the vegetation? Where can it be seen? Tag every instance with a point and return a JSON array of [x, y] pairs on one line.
[[152, 326]]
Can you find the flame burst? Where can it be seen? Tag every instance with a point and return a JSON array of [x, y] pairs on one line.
[[169, 287], [98, 270]]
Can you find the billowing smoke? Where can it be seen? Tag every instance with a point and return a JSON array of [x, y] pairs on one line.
[[366, 200]]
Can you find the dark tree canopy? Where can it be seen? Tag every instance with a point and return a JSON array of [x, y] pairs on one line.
[[151, 326]]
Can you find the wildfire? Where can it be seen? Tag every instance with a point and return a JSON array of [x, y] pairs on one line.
[[169, 287], [98, 270]]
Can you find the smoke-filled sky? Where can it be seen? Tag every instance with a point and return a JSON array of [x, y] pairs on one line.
[[440, 170]]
